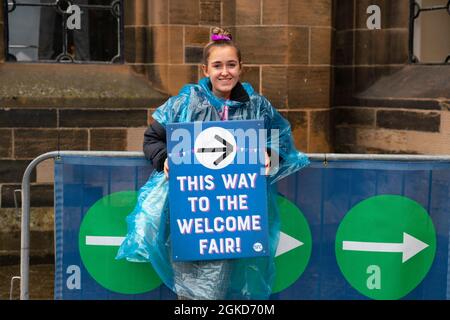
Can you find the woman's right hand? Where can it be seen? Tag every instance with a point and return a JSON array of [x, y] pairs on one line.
[[166, 168]]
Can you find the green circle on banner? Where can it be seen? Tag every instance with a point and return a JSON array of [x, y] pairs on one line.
[[385, 246], [102, 230], [294, 247]]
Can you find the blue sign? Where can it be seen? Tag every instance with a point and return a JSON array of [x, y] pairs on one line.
[[217, 198]]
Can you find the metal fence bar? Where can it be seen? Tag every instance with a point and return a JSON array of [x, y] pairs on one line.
[[25, 223]]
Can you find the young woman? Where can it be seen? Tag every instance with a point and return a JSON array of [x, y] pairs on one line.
[[218, 96]]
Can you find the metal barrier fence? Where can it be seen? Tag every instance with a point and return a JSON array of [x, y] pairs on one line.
[[324, 159]]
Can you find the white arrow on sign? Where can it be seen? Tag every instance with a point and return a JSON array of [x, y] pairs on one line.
[[104, 241], [215, 148], [287, 243], [409, 247]]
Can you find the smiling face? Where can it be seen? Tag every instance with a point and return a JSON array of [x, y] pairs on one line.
[[223, 69]]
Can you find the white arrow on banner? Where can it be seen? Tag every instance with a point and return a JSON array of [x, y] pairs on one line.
[[409, 247], [104, 241], [287, 243]]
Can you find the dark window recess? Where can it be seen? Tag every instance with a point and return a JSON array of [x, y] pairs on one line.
[[70, 31], [429, 39]]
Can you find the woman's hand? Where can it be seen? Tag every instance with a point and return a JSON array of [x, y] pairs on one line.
[[266, 163], [166, 168]]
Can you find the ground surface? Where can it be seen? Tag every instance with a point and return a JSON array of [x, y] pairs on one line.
[[40, 285]]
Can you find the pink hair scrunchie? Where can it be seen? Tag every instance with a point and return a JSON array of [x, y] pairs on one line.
[[217, 37]]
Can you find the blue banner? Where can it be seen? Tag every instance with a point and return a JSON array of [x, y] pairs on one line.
[[347, 201], [349, 230], [93, 196]]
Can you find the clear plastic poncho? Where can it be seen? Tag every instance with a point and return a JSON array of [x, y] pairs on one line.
[[148, 237]]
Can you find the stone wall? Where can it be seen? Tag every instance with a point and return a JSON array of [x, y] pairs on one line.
[[381, 103], [49, 107], [2, 31], [286, 50]]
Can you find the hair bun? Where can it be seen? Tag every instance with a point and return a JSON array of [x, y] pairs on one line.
[[219, 34]]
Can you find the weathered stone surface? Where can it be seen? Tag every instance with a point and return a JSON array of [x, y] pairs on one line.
[[41, 195], [2, 42], [281, 45], [196, 35], [157, 11], [158, 76], [248, 12], [31, 86], [343, 11], [32, 143], [320, 46], [344, 136], [343, 86], [12, 171], [409, 120], [41, 242], [229, 13], [71, 118], [379, 140], [381, 47], [138, 47], [30, 118], [179, 75], [320, 139], [135, 139], [399, 103], [45, 171], [175, 44], [275, 12], [156, 44], [41, 281], [130, 44], [394, 14], [365, 77], [272, 39], [275, 86], [184, 11], [309, 87], [299, 127], [354, 116], [411, 82], [159, 44], [298, 46], [251, 75], [145, 12], [5, 143], [210, 12], [133, 12], [305, 12], [343, 50], [108, 139], [193, 54]]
